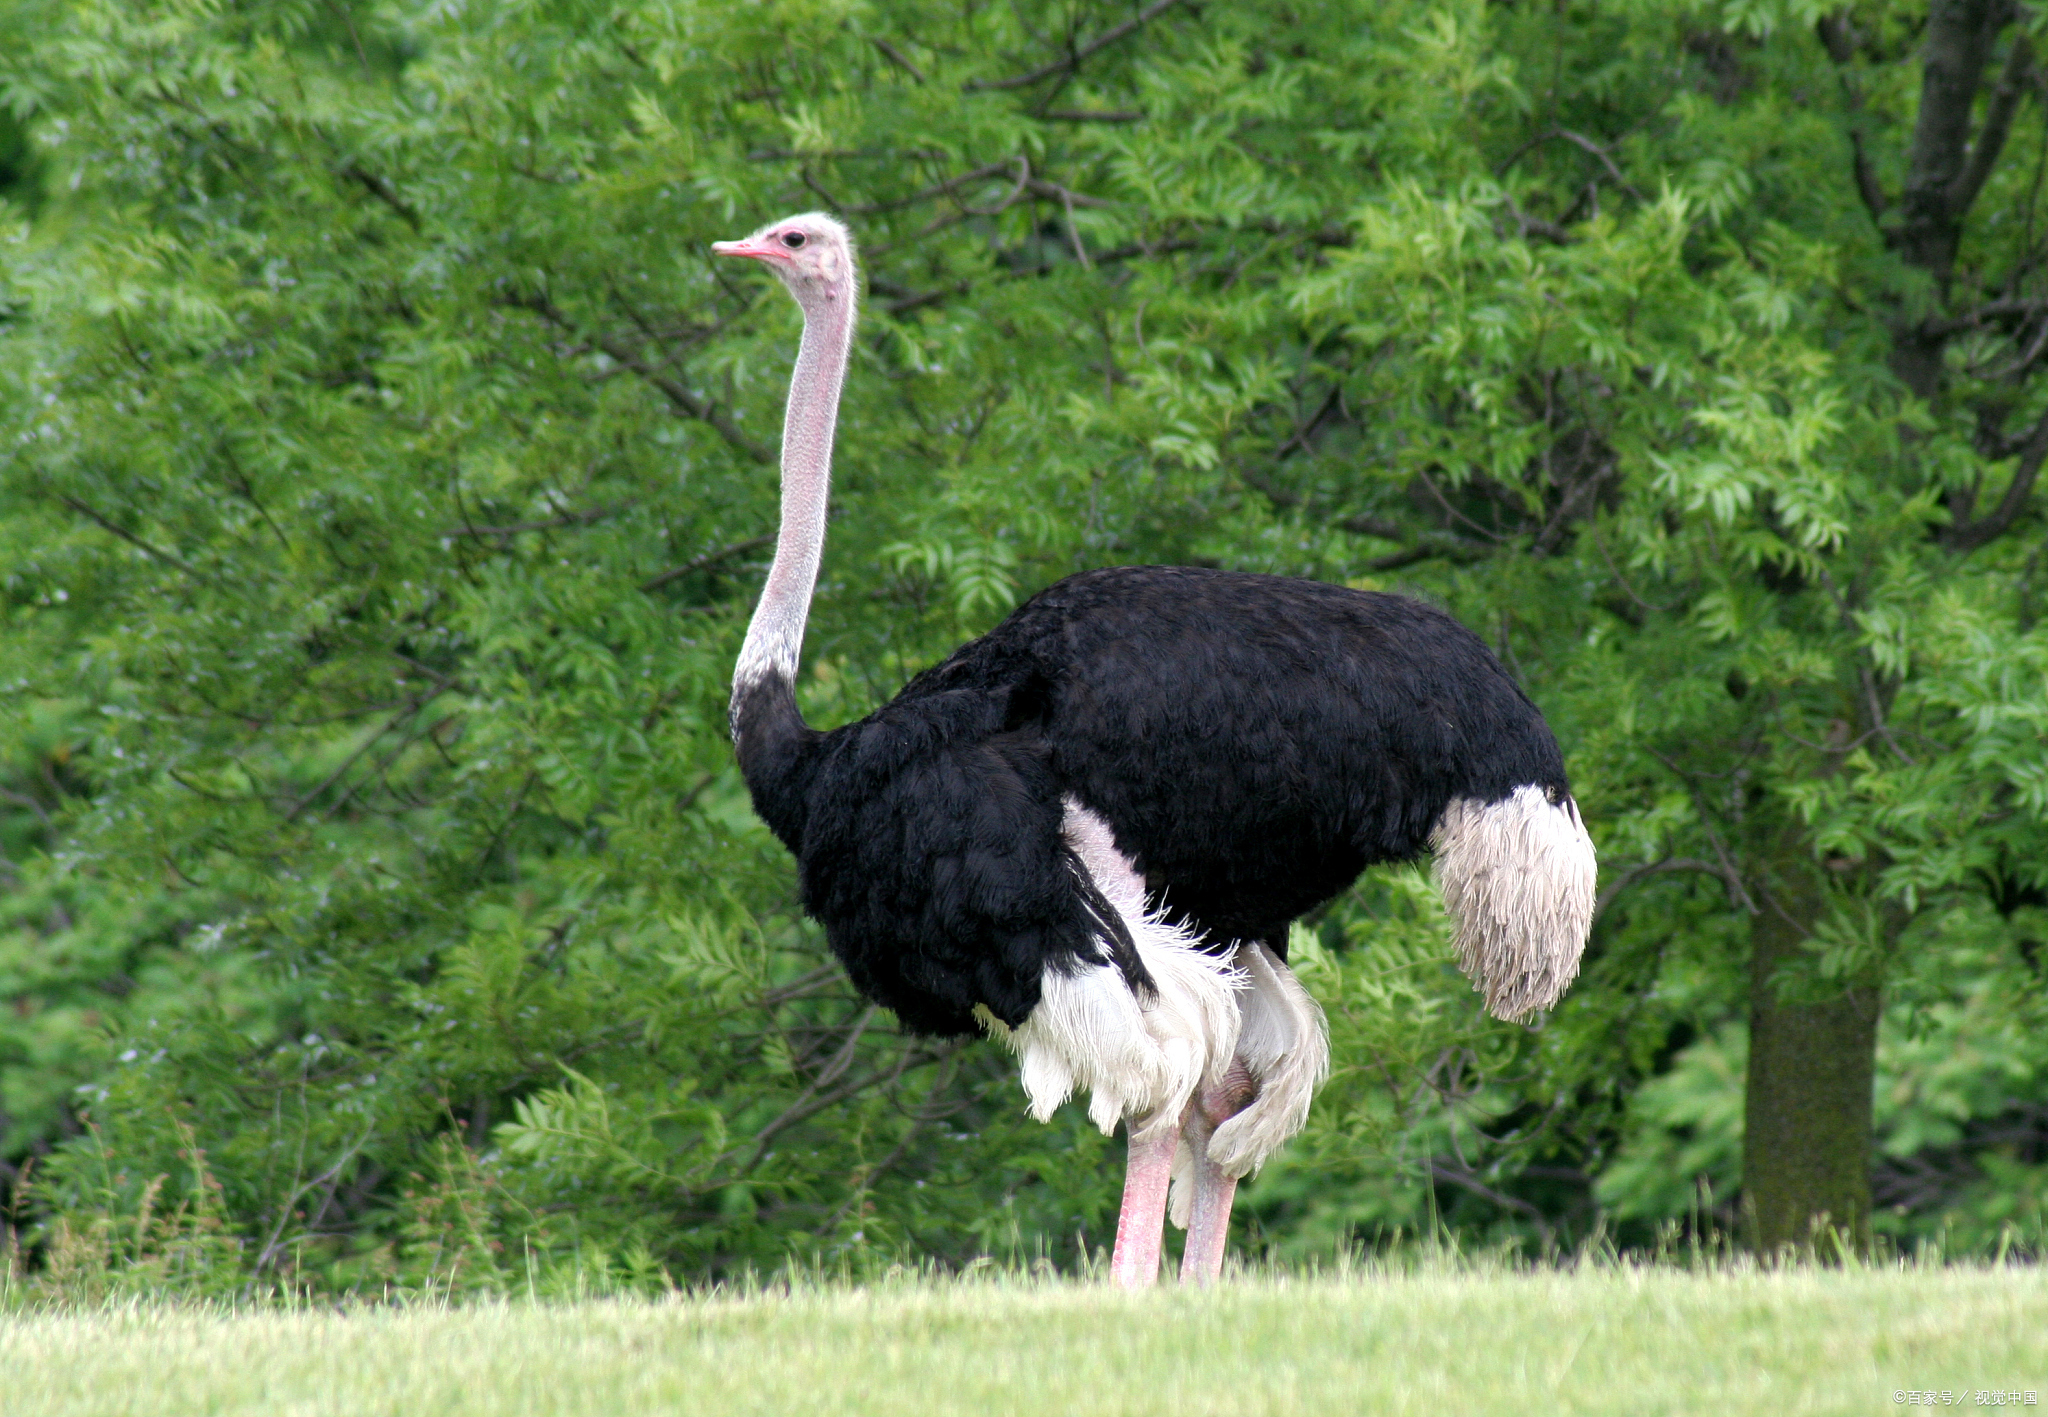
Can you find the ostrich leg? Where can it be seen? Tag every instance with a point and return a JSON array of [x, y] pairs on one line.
[[1141, 1223], [1201, 1259]]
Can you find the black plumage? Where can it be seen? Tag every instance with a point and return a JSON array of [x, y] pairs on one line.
[[1253, 742]]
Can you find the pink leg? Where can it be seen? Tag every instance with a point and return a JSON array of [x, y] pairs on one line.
[[1141, 1223], [1201, 1259]]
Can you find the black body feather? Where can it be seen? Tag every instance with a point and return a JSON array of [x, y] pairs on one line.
[[1254, 742]]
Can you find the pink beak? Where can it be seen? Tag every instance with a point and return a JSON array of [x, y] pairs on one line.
[[751, 247]]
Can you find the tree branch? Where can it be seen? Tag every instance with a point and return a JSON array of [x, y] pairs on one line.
[[814, 1102], [1876, 705], [1738, 891], [583, 518], [1667, 866], [678, 394], [1536, 226], [1867, 185], [352, 759], [708, 559], [1838, 36], [1039, 187], [1362, 525], [154, 553], [1969, 535], [1092, 115], [2005, 102], [1606, 161], [1957, 46], [1463, 1178], [1578, 140], [1077, 57], [383, 191], [1446, 544], [937, 189], [901, 299], [898, 58], [2010, 311]]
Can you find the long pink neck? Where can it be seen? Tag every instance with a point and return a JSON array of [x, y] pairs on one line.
[[776, 634]]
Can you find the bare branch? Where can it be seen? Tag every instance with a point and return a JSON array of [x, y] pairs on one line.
[[1038, 186], [2005, 102], [1867, 185], [2026, 357], [1362, 525], [22, 799], [1020, 164], [271, 1248], [1067, 200], [1969, 535], [1536, 226], [1078, 56], [1331, 235], [383, 191], [154, 553], [1838, 36], [1877, 719], [1578, 140], [814, 1102], [352, 759], [800, 986], [678, 394], [1667, 866], [1606, 161], [901, 299], [705, 561], [1600, 542], [1451, 512], [1738, 890], [899, 59], [1092, 115], [937, 189], [2013, 311], [1463, 1178], [583, 518]]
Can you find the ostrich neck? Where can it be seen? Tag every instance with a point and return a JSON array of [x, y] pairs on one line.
[[776, 635]]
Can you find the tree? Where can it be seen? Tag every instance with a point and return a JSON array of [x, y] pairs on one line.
[[388, 467]]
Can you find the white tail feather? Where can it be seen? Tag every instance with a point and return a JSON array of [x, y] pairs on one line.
[[1517, 876]]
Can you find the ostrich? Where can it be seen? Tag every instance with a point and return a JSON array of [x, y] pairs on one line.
[[1087, 832]]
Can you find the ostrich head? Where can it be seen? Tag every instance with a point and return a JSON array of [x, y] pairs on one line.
[[811, 253]]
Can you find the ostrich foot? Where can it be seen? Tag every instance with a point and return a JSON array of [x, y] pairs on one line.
[[1201, 1260], [1141, 1223]]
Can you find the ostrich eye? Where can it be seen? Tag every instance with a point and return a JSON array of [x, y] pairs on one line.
[[792, 239]]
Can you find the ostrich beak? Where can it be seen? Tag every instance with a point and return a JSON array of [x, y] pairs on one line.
[[751, 247]]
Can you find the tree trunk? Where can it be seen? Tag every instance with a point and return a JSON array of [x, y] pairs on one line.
[[1941, 179], [1807, 1112], [1808, 1106]]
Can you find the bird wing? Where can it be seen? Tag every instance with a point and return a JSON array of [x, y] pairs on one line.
[[938, 866]]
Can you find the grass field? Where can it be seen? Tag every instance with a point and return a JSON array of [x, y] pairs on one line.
[[1604, 1340]]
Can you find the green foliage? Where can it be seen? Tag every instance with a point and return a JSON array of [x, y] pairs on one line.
[[385, 480]]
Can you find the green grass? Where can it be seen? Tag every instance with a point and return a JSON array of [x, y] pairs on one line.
[[1596, 1340]]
